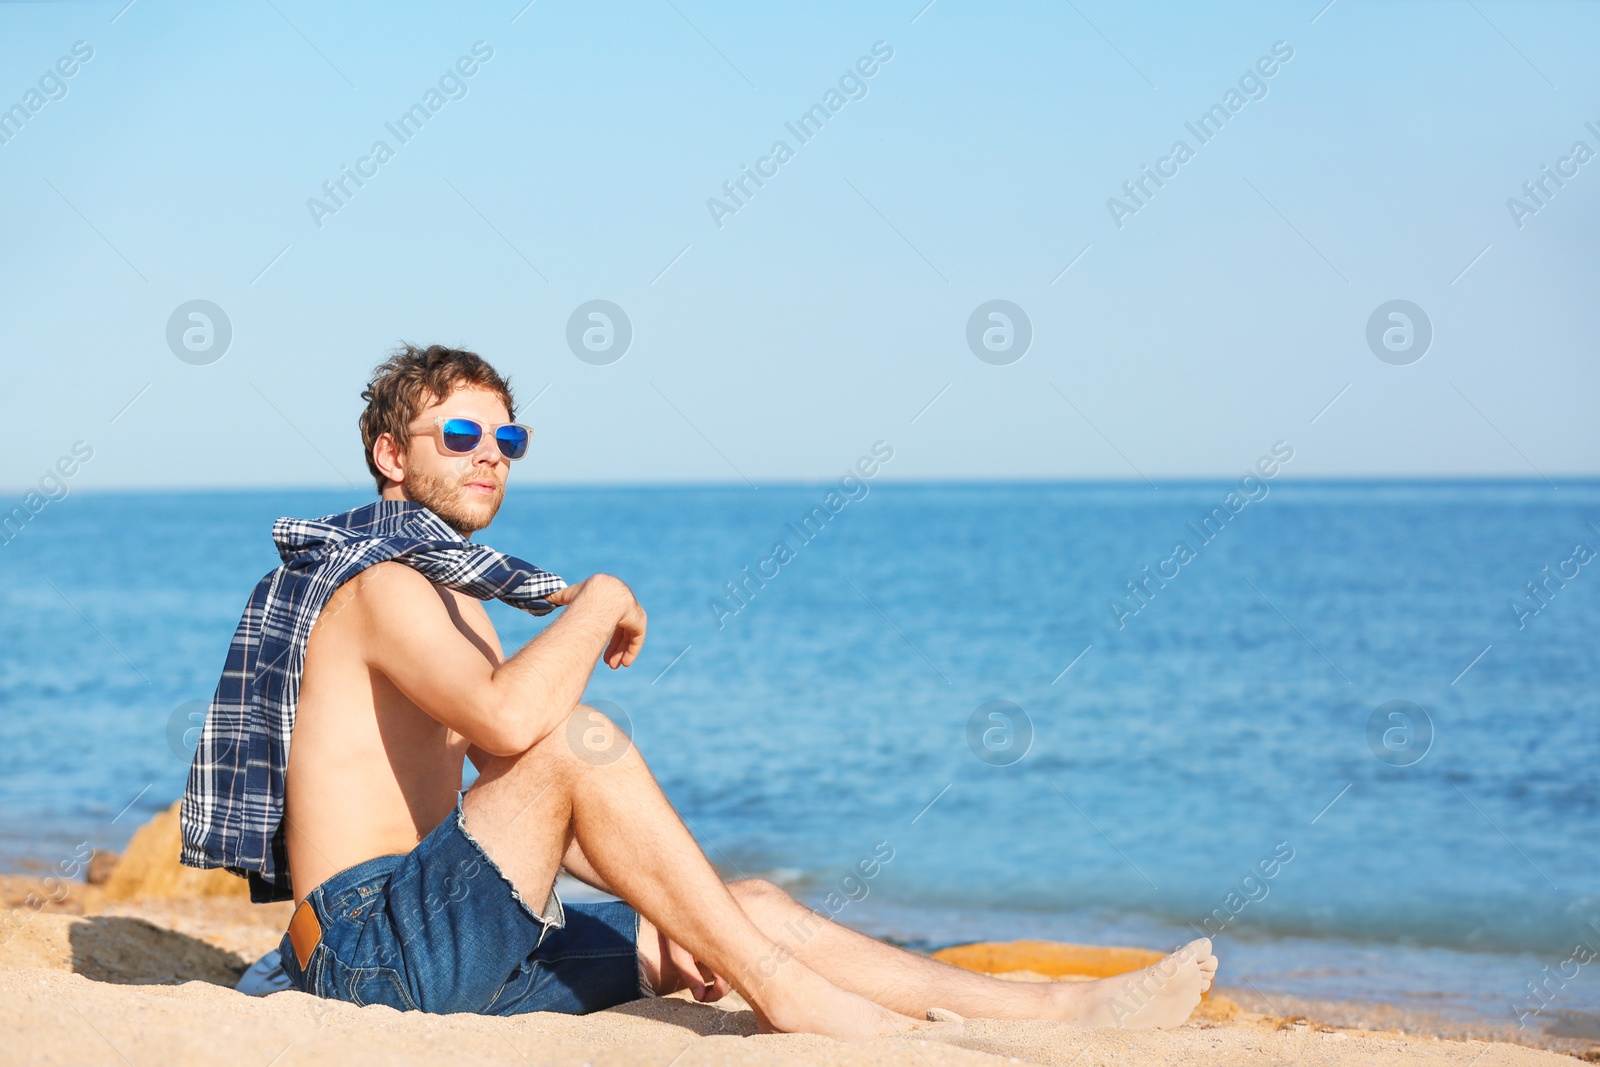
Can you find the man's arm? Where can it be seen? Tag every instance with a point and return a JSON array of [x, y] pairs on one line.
[[413, 637]]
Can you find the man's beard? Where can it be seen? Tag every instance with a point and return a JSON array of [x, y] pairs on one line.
[[451, 500]]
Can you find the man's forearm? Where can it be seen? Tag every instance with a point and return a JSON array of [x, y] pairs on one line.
[[540, 685]]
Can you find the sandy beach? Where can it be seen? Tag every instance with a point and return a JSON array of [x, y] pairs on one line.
[[53, 1016], [139, 969]]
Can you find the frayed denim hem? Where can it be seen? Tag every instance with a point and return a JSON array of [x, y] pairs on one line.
[[555, 914]]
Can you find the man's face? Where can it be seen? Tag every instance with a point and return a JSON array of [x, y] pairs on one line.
[[465, 490]]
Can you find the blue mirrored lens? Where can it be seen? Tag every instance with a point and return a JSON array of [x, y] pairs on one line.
[[461, 435], [513, 441]]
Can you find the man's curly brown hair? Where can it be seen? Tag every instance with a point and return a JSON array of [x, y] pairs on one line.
[[412, 379]]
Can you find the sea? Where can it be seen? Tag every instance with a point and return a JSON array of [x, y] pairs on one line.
[[1348, 729]]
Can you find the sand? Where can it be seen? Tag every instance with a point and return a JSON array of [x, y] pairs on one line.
[[139, 982], [52, 1016], [112, 974]]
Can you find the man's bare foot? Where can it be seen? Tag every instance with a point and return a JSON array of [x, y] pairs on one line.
[[799, 1000], [1161, 996]]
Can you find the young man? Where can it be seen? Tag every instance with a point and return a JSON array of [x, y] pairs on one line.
[[370, 651]]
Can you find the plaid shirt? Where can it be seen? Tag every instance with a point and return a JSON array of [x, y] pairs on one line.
[[232, 813]]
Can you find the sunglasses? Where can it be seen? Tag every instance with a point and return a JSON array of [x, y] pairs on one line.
[[462, 436]]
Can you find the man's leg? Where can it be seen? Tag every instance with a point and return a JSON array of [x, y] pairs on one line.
[[911, 984], [526, 809]]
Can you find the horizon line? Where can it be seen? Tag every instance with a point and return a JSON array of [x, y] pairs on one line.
[[911, 483]]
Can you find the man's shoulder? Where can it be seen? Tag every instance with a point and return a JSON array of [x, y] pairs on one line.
[[392, 576], [373, 609], [383, 589]]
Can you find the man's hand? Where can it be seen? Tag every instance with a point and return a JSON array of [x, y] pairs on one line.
[[628, 637], [705, 986]]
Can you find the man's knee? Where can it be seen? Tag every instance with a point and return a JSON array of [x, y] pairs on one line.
[[592, 738], [755, 887], [760, 894], [785, 919], [587, 740]]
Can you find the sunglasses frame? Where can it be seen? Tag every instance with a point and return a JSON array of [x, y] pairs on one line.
[[436, 430]]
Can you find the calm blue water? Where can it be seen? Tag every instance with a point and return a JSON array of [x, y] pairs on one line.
[[832, 708]]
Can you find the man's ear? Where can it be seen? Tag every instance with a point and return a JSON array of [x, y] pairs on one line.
[[390, 460]]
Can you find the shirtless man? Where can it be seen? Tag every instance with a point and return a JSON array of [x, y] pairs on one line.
[[429, 896]]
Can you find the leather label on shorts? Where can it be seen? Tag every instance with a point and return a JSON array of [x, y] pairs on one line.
[[304, 932]]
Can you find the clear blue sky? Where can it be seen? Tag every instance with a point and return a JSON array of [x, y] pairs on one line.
[[832, 307]]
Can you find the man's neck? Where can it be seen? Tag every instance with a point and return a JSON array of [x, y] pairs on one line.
[[398, 492]]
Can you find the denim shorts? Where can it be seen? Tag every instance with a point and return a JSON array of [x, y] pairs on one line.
[[441, 930]]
